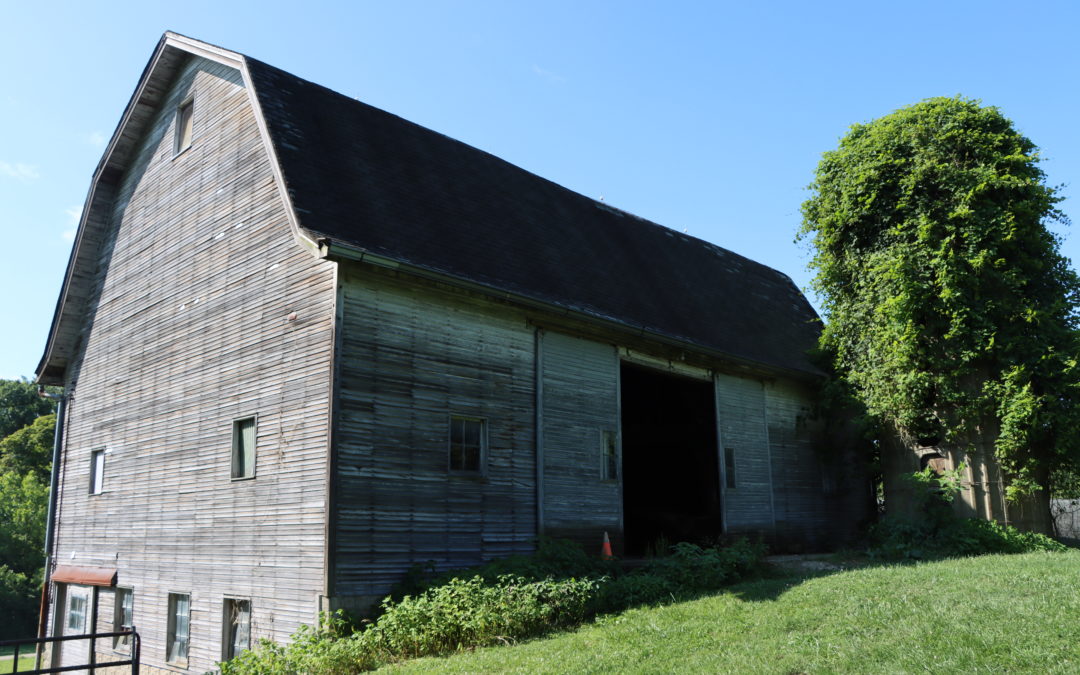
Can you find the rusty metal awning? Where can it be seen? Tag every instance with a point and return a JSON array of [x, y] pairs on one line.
[[88, 576]]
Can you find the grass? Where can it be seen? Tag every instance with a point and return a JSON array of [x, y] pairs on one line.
[[1016, 613], [25, 663]]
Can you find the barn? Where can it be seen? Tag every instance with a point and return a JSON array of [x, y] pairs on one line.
[[306, 344]]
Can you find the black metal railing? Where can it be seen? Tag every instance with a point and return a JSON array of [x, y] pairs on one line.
[[90, 667]]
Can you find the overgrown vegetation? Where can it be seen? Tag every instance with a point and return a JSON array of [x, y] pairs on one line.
[[499, 603], [937, 532], [949, 308]]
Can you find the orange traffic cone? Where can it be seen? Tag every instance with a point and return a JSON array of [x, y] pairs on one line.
[[605, 549]]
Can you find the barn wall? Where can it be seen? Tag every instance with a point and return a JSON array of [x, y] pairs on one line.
[[741, 410], [580, 401], [412, 356], [188, 332], [813, 491]]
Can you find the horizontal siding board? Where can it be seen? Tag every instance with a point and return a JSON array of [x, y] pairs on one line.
[[807, 516], [580, 401], [410, 357], [741, 404]]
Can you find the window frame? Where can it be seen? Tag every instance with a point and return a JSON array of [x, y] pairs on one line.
[[171, 630], [122, 642], [235, 452], [97, 472], [184, 121], [229, 605], [730, 469], [610, 456], [481, 469], [69, 613]]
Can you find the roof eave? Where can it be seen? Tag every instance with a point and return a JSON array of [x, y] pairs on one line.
[[343, 251]]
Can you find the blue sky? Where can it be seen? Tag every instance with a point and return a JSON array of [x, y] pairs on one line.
[[707, 117]]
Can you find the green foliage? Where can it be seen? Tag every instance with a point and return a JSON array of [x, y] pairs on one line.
[[985, 614], [1065, 483], [18, 603], [937, 532], [930, 485], [29, 449], [950, 310], [688, 570], [23, 504], [465, 611], [553, 559], [20, 405], [900, 539], [461, 614]]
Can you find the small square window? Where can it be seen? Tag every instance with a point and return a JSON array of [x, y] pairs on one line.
[[610, 450], [176, 642], [97, 471], [243, 448], [468, 444], [123, 607], [236, 621], [729, 467], [76, 617], [185, 115]]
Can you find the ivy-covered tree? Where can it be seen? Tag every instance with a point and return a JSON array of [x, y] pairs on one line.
[[948, 306]]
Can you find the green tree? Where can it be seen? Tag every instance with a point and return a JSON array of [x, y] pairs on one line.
[[29, 449], [20, 405], [948, 306], [18, 603], [23, 504]]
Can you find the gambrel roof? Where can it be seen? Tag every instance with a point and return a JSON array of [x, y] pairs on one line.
[[363, 183]]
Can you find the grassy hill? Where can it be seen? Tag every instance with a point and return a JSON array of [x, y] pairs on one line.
[[1017, 613]]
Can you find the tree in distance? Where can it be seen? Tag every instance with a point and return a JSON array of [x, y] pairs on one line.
[[20, 405], [949, 308]]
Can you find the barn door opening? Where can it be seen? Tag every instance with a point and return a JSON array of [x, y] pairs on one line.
[[671, 488]]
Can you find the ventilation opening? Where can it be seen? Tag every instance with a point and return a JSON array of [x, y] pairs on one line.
[[671, 488]]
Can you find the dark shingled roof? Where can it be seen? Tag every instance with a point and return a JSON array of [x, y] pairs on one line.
[[365, 178]]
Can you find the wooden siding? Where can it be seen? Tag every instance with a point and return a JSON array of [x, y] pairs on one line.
[[748, 507], [410, 357], [806, 482], [188, 331], [580, 401]]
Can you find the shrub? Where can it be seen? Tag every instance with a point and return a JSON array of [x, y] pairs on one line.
[[553, 559], [487, 607], [898, 538]]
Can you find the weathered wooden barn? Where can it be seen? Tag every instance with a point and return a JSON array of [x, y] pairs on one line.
[[306, 344]]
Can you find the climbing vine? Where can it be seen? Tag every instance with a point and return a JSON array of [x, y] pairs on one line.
[[948, 305]]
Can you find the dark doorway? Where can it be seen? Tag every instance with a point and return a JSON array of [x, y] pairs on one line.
[[671, 486]]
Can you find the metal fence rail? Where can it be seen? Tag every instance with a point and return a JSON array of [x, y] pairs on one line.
[[91, 667]]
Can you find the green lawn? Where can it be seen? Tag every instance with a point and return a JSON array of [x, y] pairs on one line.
[[1016, 613], [25, 663]]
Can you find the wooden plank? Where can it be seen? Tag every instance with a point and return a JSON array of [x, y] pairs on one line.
[[581, 398]]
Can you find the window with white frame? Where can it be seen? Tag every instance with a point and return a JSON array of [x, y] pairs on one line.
[[185, 117], [243, 448], [609, 448], [123, 619], [179, 632], [76, 614], [97, 471], [468, 444], [236, 622]]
